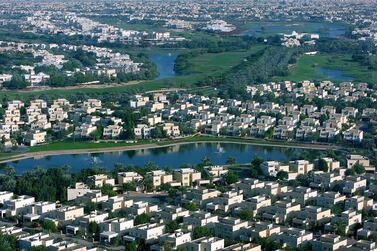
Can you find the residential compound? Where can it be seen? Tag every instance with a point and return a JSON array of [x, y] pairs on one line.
[[71, 24], [317, 213], [314, 200], [105, 62], [87, 19], [163, 115]]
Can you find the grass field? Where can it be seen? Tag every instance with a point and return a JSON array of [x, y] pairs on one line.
[[142, 87], [175, 82], [208, 64], [211, 64], [70, 145], [306, 69]]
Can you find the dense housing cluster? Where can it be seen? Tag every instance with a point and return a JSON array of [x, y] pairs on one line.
[[313, 206], [51, 62], [323, 112], [294, 74]]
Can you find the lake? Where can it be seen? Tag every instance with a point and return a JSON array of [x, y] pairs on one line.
[[165, 63], [331, 30], [172, 156], [331, 74]]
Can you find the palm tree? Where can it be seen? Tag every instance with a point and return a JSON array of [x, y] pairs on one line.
[[231, 160]]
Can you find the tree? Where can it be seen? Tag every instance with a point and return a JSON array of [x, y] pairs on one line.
[[49, 226], [116, 241], [323, 118], [148, 183], [8, 181], [93, 230], [131, 246], [182, 249], [373, 237], [71, 65], [206, 161], [254, 172], [304, 179], [269, 133], [359, 168], [231, 161], [231, 177], [322, 165], [8, 242], [282, 175], [186, 129], [315, 136], [91, 206], [338, 208], [171, 226], [199, 232], [247, 214], [256, 162], [128, 186], [107, 189], [165, 187], [268, 244], [87, 59], [96, 135], [340, 228], [44, 184], [158, 133], [142, 219], [191, 206], [350, 172], [141, 244], [17, 82]]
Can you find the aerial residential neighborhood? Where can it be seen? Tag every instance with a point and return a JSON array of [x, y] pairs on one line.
[[214, 207], [179, 115], [188, 125]]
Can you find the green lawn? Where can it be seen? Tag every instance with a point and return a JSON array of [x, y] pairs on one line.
[[211, 64], [5, 156], [176, 82], [306, 68], [142, 87], [77, 145], [208, 64], [217, 62]]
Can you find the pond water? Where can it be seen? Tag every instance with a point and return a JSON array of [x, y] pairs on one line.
[[165, 63], [331, 74], [172, 156], [323, 29]]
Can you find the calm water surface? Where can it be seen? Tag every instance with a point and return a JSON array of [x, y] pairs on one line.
[[331, 74], [164, 62], [174, 156]]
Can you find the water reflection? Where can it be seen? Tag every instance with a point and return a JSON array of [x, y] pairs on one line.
[[332, 74], [165, 63], [171, 156]]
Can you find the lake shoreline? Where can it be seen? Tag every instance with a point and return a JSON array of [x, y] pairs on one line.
[[43, 154]]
